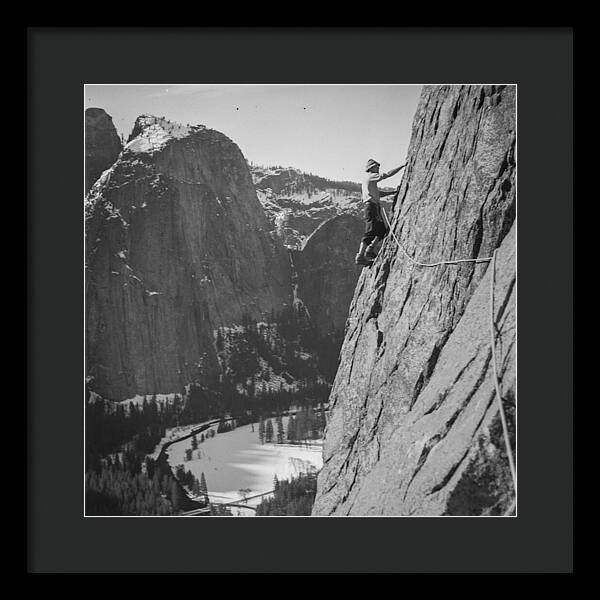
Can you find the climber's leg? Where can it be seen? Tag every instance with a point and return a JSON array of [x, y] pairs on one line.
[[360, 258], [367, 238], [362, 249], [379, 230], [373, 248]]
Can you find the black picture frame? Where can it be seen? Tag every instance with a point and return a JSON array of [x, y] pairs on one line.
[[61, 60]]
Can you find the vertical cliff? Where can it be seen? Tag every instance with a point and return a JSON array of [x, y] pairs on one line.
[[327, 274], [414, 427], [102, 144], [177, 245]]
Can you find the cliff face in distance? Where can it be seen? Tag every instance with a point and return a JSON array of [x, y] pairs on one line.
[[414, 425], [177, 245], [102, 144], [296, 203], [327, 274]]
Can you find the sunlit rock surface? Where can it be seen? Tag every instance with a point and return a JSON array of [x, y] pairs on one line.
[[414, 427], [177, 245]]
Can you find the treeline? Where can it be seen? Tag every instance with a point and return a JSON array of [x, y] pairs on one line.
[[296, 325], [120, 478], [225, 426], [243, 391], [189, 452], [328, 348], [298, 179], [197, 486], [290, 345], [293, 497], [123, 485], [117, 492], [306, 424], [203, 404], [282, 344], [245, 388], [109, 425]]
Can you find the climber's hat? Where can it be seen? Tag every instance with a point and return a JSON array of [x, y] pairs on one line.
[[370, 164]]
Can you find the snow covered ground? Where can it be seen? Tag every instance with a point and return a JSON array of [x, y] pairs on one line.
[[160, 398], [176, 432], [237, 460]]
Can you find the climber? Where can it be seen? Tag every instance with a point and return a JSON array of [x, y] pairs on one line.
[[375, 227]]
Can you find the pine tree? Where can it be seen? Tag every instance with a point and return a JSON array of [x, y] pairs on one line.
[[280, 434], [176, 496], [301, 426], [194, 442], [219, 341], [291, 429], [261, 431], [196, 487], [310, 422], [203, 486], [269, 431]]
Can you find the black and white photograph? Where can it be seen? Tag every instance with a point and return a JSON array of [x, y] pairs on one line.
[[300, 300], [318, 274]]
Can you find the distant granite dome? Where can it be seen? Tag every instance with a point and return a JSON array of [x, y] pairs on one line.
[[102, 144], [414, 425], [179, 251], [177, 246]]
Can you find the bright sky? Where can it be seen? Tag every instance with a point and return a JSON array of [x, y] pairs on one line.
[[328, 130]]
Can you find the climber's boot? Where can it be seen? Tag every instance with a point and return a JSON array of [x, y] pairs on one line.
[[361, 259], [371, 252]]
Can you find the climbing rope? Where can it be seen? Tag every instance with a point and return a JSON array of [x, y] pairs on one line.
[[435, 264], [511, 459], [491, 259]]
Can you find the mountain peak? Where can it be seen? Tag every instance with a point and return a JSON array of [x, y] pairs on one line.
[[94, 112], [151, 133], [102, 144], [175, 223]]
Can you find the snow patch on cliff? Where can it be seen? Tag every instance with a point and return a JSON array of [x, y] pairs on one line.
[[155, 133]]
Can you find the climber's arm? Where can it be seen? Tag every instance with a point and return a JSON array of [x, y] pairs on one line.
[[392, 172]]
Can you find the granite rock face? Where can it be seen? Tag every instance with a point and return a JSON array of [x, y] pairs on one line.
[[177, 246], [102, 144], [414, 425], [327, 274]]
